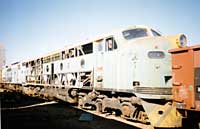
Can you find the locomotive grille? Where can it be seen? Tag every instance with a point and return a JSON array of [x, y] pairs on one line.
[[153, 90]]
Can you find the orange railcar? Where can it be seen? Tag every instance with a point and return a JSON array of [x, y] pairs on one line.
[[186, 77], [186, 84]]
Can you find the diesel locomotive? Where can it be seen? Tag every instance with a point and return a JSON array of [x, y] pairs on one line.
[[126, 72]]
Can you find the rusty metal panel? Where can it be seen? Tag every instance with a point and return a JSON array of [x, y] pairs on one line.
[[186, 77], [197, 83], [196, 50], [196, 57], [182, 79]]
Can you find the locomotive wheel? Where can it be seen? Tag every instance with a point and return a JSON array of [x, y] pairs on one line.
[[126, 110], [80, 102], [98, 107]]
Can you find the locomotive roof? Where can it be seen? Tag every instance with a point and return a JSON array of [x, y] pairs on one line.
[[88, 41]]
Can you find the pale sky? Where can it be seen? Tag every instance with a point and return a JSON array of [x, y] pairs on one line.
[[30, 28]]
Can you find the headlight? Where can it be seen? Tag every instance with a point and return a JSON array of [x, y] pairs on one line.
[[179, 40], [182, 40]]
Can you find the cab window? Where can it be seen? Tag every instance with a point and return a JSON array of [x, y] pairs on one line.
[[155, 33], [110, 44], [134, 33]]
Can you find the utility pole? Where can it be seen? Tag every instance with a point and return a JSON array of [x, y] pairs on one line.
[[2, 60]]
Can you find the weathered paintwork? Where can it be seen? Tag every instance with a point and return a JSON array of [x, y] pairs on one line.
[[107, 72], [186, 77], [127, 68]]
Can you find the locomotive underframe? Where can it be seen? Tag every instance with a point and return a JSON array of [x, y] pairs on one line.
[[126, 105]]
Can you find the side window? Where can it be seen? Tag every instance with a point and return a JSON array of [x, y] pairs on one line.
[[63, 55], [110, 44], [47, 68], [72, 52], [84, 49], [100, 46], [155, 33], [61, 66], [87, 48]]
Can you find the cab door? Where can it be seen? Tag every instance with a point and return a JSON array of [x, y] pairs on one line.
[[110, 63], [100, 50]]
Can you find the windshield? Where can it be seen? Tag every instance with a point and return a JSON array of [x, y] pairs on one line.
[[155, 33], [135, 33]]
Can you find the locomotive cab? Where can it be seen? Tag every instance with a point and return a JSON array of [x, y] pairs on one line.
[[138, 64], [136, 60], [149, 68]]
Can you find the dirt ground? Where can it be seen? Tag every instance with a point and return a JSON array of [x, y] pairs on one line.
[[49, 116]]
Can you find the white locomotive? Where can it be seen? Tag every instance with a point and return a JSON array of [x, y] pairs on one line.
[[119, 71]]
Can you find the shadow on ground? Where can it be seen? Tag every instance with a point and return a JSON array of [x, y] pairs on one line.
[[51, 116]]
